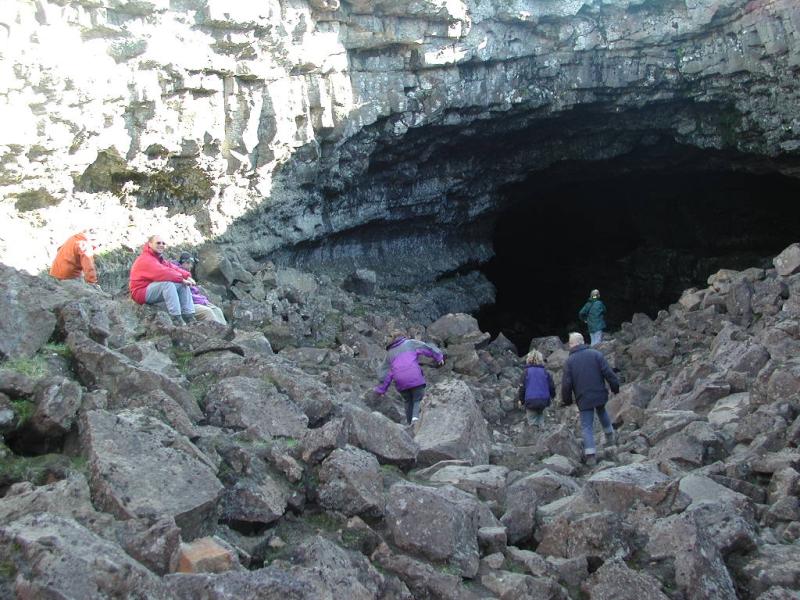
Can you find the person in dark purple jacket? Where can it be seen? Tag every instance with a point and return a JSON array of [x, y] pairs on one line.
[[401, 365], [537, 389]]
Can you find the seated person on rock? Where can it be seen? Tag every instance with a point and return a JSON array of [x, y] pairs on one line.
[[203, 308], [402, 365], [154, 280], [75, 258]]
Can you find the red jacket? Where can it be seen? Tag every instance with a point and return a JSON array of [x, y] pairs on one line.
[[74, 257], [149, 267]]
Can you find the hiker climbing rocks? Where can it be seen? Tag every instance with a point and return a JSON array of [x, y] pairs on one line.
[[75, 257], [402, 365], [204, 310], [585, 374], [536, 388], [154, 280], [593, 314]]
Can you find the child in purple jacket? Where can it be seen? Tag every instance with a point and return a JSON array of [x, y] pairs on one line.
[[402, 366], [537, 389]]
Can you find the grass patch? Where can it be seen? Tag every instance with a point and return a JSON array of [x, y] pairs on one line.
[[8, 570], [34, 367], [182, 359], [58, 349], [24, 410]]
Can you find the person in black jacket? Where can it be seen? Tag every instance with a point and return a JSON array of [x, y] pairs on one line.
[[536, 388], [585, 375]]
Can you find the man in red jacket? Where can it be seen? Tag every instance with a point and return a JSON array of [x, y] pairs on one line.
[[154, 280]]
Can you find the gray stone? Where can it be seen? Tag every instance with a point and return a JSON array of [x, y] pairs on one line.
[[388, 441], [411, 512], [622, 488], [788, 261], [56, 557], [350, 482], [27, 321], [615, 581], [451, 426], [57, 403], [139, 467], [242, 402], [361, 282]]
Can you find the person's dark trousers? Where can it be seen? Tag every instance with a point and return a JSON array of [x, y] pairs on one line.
[[413, 396]]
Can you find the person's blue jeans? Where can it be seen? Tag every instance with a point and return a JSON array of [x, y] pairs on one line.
[[413, 397], [595, 337], [176, 296], [587, 426]]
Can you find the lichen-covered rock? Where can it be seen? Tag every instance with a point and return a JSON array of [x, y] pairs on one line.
[[141, 467], [242, 402], [350, 482], [440, 524], [388, 441], [451, 426], [54, 556]]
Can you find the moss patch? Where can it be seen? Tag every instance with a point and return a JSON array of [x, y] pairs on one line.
[[34, 367], [35, 199]]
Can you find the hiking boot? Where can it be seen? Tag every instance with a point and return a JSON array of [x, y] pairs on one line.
[[590, 460], [189, 318], [177, 321]]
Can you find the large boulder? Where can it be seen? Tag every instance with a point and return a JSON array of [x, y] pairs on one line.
[[242, 402], [350, 482], [140, 467], [129, 384], [56, 557], [622, 488], [27, 320], [57, 402], [616, 581], [487, 482], [788, 261], [683, 544], [440, 524], [388, 441], [452, 426], [526, 494]]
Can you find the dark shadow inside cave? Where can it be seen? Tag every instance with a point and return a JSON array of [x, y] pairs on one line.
[[640, 236]]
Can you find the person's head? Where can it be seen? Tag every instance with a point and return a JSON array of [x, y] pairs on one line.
[[575, 339], [395, 334], [534, 357], [157, 244], [186, 261], [594, 294]]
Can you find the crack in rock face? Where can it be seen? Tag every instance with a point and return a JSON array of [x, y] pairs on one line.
[[329, 133]]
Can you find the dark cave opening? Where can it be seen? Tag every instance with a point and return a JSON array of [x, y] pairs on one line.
[[640, 236]]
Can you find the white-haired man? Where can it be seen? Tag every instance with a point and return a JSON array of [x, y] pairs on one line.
[[154, 280], [585, 375]]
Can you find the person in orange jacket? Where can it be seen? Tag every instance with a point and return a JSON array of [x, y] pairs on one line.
[[75, 257]]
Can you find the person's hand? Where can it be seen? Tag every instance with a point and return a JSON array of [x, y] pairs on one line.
[[189, 281]]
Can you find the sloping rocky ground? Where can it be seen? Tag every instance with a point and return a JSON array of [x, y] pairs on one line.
[[142, 460]]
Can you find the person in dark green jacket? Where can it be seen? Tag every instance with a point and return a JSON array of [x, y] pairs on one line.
[[593, 314]]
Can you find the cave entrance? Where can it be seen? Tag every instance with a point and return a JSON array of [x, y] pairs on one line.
[[640, 236]]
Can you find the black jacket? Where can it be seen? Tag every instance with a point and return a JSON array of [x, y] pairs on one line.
[[585, 374]]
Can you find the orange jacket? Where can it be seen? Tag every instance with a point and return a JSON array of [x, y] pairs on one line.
[[74, 257]]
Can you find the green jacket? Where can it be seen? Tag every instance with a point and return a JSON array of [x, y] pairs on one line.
[[593, 314]]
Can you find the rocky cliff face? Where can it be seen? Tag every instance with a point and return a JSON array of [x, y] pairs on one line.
[[330, 130]]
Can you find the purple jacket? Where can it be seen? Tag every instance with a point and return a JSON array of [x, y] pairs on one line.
[[197, 295], [401, 364]]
